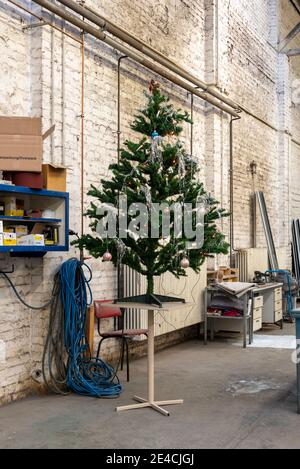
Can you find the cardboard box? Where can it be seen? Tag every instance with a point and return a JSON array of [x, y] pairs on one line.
[[9, 239], [21, 143], [25, 179], [31, 240], [55, 177]]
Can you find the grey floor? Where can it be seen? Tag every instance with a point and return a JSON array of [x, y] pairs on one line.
[[234, 398]]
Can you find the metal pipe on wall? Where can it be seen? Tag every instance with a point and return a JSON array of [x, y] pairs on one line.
[[121, 292], [52, 93], [82, 130], [44, 21], [105, 24], [139, 45], [126, 51], [48, 23], [192, 125], [231, 174], [63, 93]]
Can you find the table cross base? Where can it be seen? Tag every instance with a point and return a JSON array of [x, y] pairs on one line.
[[154, 405]]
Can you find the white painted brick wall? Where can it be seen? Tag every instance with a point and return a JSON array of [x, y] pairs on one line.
[[235, 52]]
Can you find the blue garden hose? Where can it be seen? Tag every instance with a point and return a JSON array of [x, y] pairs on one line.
[[81, 373]]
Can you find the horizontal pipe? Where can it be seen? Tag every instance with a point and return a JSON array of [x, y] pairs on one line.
[[293, 52], [292, 34], [107, 25], [83, 25], [296, 142], [139, 45], [43, 20], [262, 121]]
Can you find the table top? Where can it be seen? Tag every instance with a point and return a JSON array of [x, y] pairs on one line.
[[146, 306], [267, 286], [254, 289]]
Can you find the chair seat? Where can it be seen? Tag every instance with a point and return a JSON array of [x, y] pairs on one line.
[[127, 333]]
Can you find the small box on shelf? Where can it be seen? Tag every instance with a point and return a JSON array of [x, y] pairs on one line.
[[9, 239], [31, 240]]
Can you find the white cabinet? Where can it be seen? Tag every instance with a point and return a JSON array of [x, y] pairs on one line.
[[269, 299]]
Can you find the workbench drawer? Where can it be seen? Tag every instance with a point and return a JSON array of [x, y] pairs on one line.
[[258, 301], [257, 313], [278, 316], [257, 324], [278, 294], [278, 305]]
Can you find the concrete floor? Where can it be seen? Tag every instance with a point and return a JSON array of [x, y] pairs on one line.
[[234, 398]]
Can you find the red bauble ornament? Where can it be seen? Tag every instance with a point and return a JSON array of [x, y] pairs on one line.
[[185, 263], [107, 257]]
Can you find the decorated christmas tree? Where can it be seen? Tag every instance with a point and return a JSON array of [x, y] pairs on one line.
[[154, 172]]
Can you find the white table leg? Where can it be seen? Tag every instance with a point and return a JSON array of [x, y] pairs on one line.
[[143, 403], [151, 356]]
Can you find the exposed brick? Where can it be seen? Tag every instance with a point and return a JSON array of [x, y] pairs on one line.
[[232, 45]]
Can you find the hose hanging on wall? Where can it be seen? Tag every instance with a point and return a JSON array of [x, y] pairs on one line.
[[67, 361]]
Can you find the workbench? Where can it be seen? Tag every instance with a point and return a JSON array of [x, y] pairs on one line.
[[210, 292], [261, 305], [267, 305]]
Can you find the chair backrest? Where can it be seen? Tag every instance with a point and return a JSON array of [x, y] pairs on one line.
[[102, 312]]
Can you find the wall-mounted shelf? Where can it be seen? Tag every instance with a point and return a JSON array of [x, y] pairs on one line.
[[56, 202], [31, 220]]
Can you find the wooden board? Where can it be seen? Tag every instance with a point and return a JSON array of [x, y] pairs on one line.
[[90, 328]]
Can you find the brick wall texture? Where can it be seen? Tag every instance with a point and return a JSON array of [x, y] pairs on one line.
[[231, 44]]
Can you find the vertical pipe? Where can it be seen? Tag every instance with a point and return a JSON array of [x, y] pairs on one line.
[[119, 104], [52, 92], [120, 286], [82, 129], [63, 92], [217, 29], [231, 195], [192, 125], [254, 218], [231, 173]]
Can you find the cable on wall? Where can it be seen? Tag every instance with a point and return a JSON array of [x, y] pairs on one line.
[[19, 296]]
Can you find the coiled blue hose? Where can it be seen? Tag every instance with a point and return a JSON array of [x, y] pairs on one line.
[[85, 375]]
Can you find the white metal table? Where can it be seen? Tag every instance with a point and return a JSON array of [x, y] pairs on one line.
[[150, 401]]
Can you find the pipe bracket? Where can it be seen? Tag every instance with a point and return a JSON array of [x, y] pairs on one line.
[[34, 25]]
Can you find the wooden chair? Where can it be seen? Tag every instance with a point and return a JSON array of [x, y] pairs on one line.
[[105, 312]]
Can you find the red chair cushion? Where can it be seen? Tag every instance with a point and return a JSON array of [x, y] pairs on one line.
[[102, 312]]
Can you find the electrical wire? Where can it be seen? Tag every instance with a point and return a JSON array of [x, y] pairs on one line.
[[21, 299], [67, 360]]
